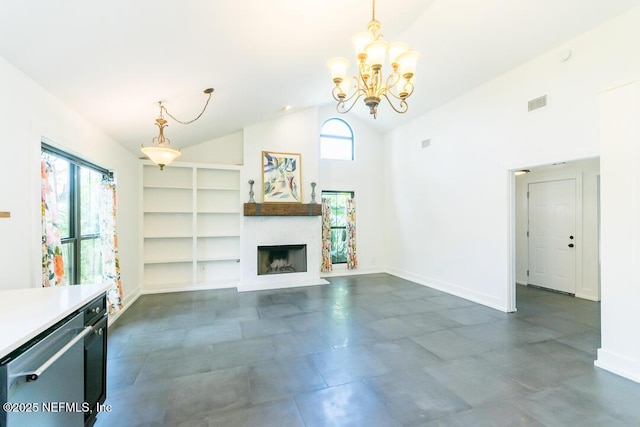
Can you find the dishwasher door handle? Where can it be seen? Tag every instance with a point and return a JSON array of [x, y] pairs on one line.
[[33, 375]]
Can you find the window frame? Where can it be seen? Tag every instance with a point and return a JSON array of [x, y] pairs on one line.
[[75, 238], [351, 138]]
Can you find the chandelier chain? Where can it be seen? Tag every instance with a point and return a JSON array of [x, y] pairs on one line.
[[163, 108], [373, 10]]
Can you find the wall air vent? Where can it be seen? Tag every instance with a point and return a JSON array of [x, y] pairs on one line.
[[536, 104]]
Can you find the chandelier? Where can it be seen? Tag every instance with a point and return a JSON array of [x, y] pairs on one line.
[[370, 82], [160, 151]]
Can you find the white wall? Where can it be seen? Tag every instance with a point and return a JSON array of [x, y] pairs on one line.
[[365, 178], [28, 113], [449, 205], [294, 132], [220, 151], [620, 231], [585, 173]]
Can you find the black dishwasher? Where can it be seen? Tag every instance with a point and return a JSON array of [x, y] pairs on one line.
[[95, 358]]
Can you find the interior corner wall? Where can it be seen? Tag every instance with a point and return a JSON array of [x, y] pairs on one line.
[[364, 177], [620, 231], [448, 206], [586, 174], [226, 150], [28, 113]]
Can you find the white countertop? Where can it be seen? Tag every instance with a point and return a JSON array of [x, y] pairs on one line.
[[25, 313]]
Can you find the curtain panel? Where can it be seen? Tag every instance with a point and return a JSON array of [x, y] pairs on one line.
[[326, 266], [109, 240], [52, 263], [352, 255]]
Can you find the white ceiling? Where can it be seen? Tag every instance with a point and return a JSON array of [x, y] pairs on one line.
[[112, 61]]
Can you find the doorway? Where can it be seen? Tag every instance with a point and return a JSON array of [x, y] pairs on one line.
[[583, 176]]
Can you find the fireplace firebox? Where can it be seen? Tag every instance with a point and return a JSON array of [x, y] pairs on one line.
[[282, 259]]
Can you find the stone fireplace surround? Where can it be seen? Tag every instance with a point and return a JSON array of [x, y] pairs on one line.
[[280, 230]]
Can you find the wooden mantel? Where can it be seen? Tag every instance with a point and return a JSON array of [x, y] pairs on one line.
[[282, 209], [5, 214]]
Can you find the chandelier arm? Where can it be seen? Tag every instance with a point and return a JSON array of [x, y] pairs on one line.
[[163, 108], [402, 107], [336, 90], [342, 107], [409, 85], [392, 80], [365, 69], [409, 91]]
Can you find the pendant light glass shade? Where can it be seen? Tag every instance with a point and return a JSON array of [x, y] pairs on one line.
[[161, 156]]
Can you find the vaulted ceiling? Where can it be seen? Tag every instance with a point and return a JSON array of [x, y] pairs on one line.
[[113, 61]]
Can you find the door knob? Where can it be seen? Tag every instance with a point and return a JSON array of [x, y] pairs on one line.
[[570, 245]]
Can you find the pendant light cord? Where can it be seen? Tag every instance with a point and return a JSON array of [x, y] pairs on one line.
[[208, 91]]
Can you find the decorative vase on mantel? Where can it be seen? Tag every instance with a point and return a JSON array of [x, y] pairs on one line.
[[251, 200]]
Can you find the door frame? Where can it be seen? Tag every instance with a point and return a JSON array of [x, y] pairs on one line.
[[512, 224]]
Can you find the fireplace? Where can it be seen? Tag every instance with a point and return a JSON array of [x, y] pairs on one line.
[[282, 259], [279, 232]]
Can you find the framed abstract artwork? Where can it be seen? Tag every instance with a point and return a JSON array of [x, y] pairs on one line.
[[281, 177]]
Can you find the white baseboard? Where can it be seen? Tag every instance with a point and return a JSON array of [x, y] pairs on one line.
[[618, 364], [450, 288], [191, 288]]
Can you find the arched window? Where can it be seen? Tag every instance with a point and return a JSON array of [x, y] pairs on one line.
[[336, 140]]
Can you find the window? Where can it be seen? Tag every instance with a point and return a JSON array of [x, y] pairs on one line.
[[336, 140], [78, 187], [338, 204]]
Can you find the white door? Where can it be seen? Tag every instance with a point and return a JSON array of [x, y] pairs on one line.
[[552, 237]]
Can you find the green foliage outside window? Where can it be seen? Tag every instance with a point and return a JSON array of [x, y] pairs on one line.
[[338, 204]]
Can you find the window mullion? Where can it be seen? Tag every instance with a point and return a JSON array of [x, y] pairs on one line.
[[75, 191]]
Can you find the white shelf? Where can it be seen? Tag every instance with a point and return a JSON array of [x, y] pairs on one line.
[[191, 226], [184, 236], [172, 187], [169, 261], [218, 189], [234, 259], [220, 212]]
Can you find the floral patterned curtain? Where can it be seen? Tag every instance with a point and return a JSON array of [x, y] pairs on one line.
[[109, 237], [326, 265], [352, 257], [52, 264]]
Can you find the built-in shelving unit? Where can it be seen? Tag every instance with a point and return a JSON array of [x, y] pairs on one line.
[[191, 226]]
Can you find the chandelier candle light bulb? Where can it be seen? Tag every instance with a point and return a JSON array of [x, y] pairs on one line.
[[371, 52]]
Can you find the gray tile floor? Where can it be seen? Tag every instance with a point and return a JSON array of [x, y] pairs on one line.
[[371, 350]]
